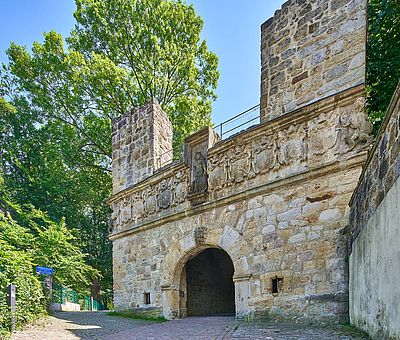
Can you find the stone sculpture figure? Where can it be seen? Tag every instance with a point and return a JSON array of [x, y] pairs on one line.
[[199, 174], [354, 129]]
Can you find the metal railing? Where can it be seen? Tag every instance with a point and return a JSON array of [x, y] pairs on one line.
[[231, 126], [61, 294], [165, 158], [243, 120]]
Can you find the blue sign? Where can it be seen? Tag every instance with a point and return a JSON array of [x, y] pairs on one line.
[[44, 270]]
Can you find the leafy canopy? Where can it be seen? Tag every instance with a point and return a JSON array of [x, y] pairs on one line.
[[59, 98], [383, 56]]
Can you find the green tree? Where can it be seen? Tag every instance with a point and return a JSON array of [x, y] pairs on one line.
[[157, 45], [56, 141], [383, 56]]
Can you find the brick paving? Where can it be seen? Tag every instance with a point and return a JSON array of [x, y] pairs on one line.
[[99, 325]]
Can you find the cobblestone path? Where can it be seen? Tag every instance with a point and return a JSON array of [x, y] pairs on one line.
[[99, 325]]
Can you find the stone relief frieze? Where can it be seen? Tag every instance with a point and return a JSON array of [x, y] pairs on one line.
[[168, 193], [319, 139]]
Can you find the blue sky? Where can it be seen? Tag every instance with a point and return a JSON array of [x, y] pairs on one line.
[[231, 28]]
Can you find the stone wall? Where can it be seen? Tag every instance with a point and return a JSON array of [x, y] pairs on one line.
[[375, 228], [309, 50], [141, 143], [276, 201]]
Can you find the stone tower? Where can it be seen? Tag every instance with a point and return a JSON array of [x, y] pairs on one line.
[[309, 51], [141, 144]]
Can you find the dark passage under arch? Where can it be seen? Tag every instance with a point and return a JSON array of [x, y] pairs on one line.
[[209, 284]]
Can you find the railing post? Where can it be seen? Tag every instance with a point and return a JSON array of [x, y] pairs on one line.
[[61, 294]]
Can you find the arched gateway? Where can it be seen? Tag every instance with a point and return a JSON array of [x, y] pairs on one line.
[[206, 286], [274, 196]]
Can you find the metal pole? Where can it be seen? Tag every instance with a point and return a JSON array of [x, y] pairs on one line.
[[11, 303]]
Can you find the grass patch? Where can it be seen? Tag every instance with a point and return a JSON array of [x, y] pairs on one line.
[[350, 329], [130, 315]]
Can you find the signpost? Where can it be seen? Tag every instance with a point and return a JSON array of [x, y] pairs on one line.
[[44, 270], [11, 303], [48, 281]]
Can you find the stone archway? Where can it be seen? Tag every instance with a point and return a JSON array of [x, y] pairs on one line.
[[188, 247], [207, 286]]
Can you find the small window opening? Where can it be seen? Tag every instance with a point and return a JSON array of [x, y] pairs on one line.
[[147, 298], [277, 284]]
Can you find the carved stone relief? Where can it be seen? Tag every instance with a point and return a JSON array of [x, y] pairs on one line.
[[200, 234], [353, 128], [164, 196], [320, 139], [263, 155], [291, 146], [169, 192]]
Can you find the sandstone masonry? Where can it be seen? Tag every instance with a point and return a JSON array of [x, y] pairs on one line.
[[272, 201], [309, 50]]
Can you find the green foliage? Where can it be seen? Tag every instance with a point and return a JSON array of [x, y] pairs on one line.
[[29, 238], [153, 48], [55, 126], [383, 56]]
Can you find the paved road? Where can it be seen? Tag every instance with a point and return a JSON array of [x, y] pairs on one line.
[[99, 325]]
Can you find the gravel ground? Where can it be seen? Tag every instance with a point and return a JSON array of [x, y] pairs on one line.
[[99, 325]]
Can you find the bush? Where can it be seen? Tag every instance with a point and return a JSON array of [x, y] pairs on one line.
[[29, 238]]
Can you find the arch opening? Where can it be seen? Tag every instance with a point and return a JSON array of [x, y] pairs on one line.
[[206, 285]]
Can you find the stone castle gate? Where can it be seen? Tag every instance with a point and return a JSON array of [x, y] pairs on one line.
[[256, 224]]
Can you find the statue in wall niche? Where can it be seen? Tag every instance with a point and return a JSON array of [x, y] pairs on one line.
[[353, 130], [291, 146], [199, 174], [164, 195]]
